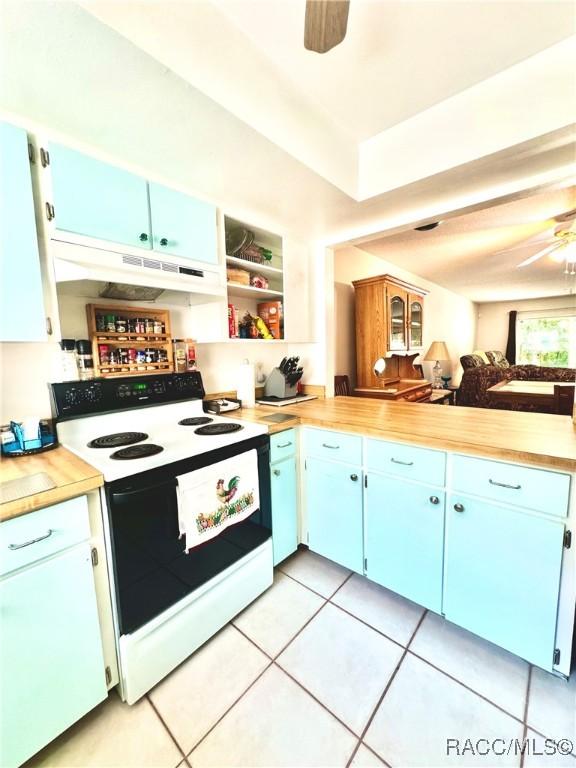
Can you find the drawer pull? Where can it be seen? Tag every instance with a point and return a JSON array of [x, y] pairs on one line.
[[32, 541], [284, 445], [459, 507], [332, 447], [276, 472], [404, 463], [434, 500], [504, 485], [354, 477]]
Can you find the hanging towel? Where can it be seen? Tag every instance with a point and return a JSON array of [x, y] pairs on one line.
[[214, 497]]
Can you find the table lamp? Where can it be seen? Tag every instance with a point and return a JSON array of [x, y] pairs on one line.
[[438, 351]]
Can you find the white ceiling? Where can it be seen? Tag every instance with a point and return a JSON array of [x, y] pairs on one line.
[[464, 255], [399, 58]]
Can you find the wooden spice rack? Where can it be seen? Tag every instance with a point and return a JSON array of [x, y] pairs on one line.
[[129, 340]]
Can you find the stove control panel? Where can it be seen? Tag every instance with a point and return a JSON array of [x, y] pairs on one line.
[[71, 399]]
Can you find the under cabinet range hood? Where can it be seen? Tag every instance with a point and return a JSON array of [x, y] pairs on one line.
[[96, 268]]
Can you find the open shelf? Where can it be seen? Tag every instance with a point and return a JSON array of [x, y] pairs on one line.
[[235, 289], [253, 266]]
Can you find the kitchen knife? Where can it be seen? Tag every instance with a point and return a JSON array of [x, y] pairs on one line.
[[283, 364]]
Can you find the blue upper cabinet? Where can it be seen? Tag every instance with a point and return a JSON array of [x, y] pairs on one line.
[[99, 200], [502, 575], [183, 226], [21, 299]]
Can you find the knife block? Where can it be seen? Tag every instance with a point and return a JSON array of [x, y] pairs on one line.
[[277, 386]]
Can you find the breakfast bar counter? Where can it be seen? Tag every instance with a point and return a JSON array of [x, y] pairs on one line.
[[70, 475], [530, 438]]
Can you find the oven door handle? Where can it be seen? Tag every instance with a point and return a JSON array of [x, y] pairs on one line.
[[122, 495]]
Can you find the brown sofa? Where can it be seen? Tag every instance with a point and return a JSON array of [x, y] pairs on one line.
[[477, 378]]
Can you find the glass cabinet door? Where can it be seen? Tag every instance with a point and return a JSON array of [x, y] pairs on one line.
[[415, 324], [397, 309]]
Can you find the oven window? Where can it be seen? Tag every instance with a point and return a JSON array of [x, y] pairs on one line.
[[151, 568]]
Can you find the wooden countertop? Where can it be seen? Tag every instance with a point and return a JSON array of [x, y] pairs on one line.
[[72, 476], [529, 438]]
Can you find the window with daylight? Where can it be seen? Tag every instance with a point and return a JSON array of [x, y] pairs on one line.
[[547, 338]]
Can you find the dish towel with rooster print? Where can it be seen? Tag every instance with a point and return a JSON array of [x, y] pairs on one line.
[[214, 497]]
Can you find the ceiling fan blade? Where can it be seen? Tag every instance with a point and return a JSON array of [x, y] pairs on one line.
[[539, 255], [524, 246], [325, 24]]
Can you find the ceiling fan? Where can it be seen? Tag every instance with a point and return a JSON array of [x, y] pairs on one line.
[[561, 246], [325, 24]]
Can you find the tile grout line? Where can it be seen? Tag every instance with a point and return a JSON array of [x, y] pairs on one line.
[[467, 687], [384, 692], [165, 724], [219, 720], [366, 624], [301, 583], [254, 643], [525, 718], [272, 662]]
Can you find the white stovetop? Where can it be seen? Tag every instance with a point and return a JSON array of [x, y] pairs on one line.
[[161, 425]]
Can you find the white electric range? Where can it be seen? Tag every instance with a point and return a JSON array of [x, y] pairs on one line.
[[145, 433]]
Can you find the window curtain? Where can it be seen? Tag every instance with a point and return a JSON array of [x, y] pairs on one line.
[[511, 345]]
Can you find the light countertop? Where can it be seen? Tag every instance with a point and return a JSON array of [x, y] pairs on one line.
[[72, 477]]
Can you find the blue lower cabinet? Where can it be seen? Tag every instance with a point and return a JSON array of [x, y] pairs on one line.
[[405, 538], [334, 512], [284, 509], [50, 652], [502, 576]]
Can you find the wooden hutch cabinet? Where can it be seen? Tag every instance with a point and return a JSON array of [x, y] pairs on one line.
[[389, 323]]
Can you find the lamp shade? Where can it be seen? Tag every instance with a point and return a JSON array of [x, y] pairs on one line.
[[438, 351]]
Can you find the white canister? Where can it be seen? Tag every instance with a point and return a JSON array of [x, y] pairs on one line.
[[245, 386]]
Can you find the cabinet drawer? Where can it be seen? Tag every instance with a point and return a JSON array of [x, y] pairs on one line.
[[282, 444], [537, 489], [406, 461], [31, 537], [335, 446]]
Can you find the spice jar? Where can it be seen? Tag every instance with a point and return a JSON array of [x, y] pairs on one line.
[[149, 325], [101, 324], [150, 355], [131, 355], [121, 325], [84, 359], [140, 356], [140, 325], [104, 354], [158, 326], [111, 323]]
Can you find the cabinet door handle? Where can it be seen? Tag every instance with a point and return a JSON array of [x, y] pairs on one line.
[[143, 237], [164, 241], [354, 477], [276, 472], [459, 507], [434, 500], [332, 447], [404, 463], [284, 445], [32, 541], [504, 485]]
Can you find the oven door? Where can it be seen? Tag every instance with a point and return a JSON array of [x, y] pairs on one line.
[[151, 569]]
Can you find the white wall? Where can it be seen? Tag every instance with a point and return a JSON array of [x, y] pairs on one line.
[[448, 316], [492, 322]]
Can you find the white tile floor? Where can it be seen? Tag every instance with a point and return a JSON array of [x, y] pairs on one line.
[[328, 669]]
